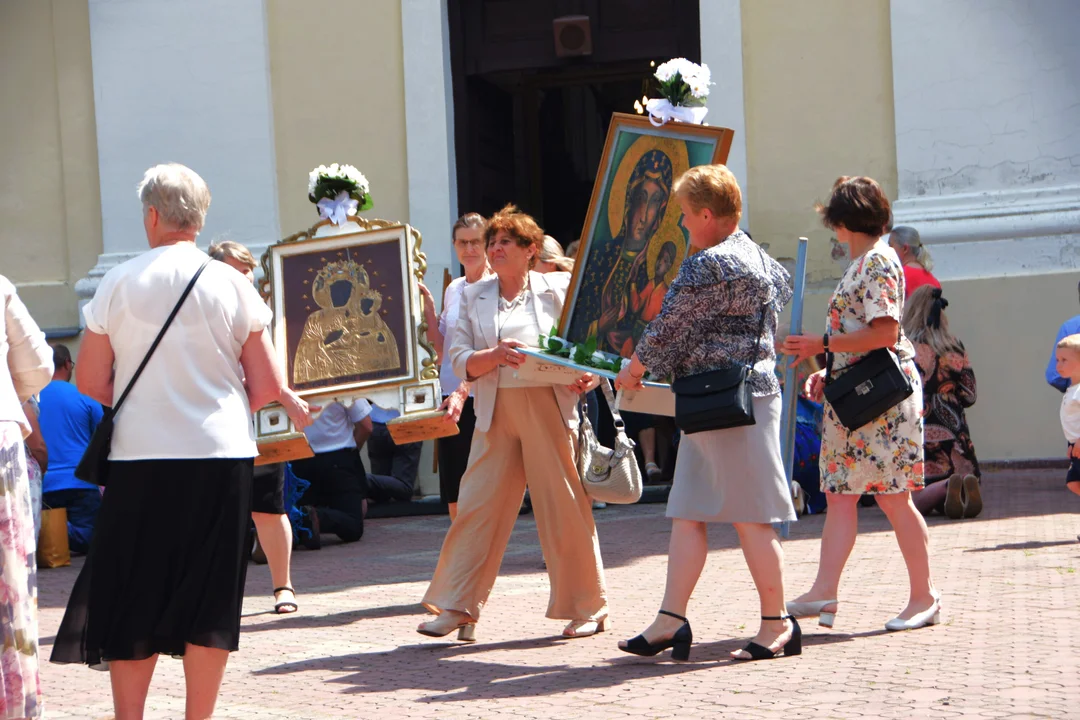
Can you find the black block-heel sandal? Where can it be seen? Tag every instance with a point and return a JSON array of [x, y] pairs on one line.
[[285, 607], [791, 647], [679, 642]]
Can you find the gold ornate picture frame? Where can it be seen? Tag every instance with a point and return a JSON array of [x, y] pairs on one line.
[[348, 316]]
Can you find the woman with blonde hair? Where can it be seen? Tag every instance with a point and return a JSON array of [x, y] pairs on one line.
[[914, 257], [525, 433], [952, 470], [552, 258], [884, 457], [273, 529], [721, 313]]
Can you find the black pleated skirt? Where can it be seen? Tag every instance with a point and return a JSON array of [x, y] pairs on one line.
[[167, 563]]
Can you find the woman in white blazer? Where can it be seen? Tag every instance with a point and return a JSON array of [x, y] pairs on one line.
[[525, 436]]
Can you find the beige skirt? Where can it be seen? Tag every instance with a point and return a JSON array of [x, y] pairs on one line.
[[733, 475]]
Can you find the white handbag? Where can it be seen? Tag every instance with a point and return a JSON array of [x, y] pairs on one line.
[[610, 476]]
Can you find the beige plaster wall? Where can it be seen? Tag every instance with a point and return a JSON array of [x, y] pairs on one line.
[[49, 195], [339, 96], [818, 91]]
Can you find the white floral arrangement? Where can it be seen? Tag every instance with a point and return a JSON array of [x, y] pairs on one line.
[[339, 191], [684, 87]]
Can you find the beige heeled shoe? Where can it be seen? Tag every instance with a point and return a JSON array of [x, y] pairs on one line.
[[441, 627], [809, 609]]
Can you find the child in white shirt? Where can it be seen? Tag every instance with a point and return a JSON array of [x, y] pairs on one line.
[[1068, 366]]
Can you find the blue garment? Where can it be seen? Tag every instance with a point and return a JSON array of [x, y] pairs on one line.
[[807, 452], [68, 419], [1069, 327]]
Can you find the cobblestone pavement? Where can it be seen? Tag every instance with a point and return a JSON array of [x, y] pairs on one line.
[[1006, 649]]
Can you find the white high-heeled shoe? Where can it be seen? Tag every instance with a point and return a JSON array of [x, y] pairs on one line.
[[809, 609], [930, 616]]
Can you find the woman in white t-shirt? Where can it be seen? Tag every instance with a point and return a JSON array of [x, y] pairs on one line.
[[468, 235], [169, 555]]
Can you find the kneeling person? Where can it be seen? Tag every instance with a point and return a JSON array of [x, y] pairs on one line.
[[336, 502]]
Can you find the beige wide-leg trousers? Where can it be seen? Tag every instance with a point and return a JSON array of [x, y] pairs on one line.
[[528, 444]]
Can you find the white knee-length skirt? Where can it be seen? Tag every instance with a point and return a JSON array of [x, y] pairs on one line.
[[733, 475]]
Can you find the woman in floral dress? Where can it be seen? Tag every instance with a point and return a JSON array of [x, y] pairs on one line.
[[883, 458], [25, 368]]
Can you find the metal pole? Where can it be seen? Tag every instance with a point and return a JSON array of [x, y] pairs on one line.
[[791, 391]]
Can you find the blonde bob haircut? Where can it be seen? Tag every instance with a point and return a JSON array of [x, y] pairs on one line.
[[713, 187], [179, 195], [227, 249]]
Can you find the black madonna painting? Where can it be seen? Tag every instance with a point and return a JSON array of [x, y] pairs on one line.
[[633, 243], [344, 306]]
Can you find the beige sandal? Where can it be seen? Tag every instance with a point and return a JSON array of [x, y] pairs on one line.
[[585, 628]]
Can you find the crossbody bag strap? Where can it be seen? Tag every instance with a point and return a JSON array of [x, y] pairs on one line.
[[161, 334]]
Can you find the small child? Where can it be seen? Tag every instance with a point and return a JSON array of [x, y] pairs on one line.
[[1068, 366]]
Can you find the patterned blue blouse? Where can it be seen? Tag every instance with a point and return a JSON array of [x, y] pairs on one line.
[[712, 313]]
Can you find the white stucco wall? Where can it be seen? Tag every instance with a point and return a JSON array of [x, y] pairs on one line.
[[987, 103], [184, 82]]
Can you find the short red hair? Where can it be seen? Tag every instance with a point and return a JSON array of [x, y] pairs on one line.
[[518, 225]]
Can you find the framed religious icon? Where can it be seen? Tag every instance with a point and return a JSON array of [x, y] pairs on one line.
[[633, 241], [348, 320]]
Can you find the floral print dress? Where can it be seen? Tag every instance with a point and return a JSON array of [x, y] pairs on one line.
[[886, 454], [20, 687]]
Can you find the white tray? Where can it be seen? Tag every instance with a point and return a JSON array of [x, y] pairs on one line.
[[654, 399]]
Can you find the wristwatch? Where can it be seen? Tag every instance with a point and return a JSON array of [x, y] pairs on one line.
[[825, 342]]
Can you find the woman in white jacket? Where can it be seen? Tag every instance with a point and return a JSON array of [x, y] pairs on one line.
[[524, 437]]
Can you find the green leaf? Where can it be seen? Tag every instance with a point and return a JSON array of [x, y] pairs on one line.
[[590, 345]]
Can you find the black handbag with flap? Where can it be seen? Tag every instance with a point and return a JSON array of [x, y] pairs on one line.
[[867, 389], [718, 399]]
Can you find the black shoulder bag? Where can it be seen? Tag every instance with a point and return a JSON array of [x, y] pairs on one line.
[[718, 399], [867, 389], [94, 465]]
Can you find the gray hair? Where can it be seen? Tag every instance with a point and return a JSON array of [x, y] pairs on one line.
[[177, 192], [907, 236], [551, 252]]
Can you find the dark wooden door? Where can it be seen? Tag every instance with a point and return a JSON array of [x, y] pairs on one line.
[[530, 126]]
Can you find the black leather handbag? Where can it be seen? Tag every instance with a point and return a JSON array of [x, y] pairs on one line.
[[867, 389], [93, 467], [718, 399]]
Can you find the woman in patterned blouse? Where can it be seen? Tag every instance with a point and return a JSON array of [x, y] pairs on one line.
[[952, 470], [883, 458], [721, 312]]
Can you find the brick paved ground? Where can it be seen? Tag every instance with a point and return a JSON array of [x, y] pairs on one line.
[[1005, 650]]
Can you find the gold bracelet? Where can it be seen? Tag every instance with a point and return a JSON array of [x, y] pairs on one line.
[[631, 374]]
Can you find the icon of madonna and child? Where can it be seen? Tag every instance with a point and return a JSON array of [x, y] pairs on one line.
[[625, 278], [347, 335]]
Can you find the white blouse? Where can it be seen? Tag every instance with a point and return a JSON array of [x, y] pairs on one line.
[[27, 365], [190, 401], [517, 320]]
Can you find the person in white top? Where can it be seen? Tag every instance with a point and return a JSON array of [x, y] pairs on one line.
[[25, 368], [1068, 366], [168, 558], [336, 502], [524, 437], [468, 237]]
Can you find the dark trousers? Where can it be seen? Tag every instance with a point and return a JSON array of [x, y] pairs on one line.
[[393, 466], [454, 454], [337, 492], [82, 511]]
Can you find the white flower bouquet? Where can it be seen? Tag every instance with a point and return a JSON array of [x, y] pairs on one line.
[[339, 191], [684, 87]]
